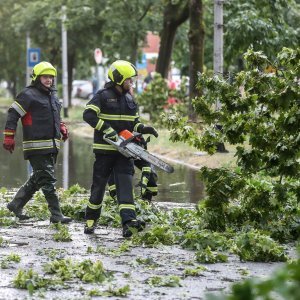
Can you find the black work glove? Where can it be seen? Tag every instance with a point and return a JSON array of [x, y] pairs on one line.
[[111, 135], [149, 130]]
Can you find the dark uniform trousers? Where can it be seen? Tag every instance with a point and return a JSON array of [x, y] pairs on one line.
[[123, 171], [42, 177], [148, 181]]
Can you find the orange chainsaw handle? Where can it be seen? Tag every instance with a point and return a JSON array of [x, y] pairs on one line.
[[128, 137], [126, 134]]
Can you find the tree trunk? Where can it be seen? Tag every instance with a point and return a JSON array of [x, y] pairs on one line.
[[11, 87], [174, 15], [196, 42], [134, 50], [165, 50]]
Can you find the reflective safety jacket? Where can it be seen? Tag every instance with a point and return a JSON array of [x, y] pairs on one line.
[[39, 111], [109, 109]]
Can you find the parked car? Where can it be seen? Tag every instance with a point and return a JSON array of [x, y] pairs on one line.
[[82, 89]]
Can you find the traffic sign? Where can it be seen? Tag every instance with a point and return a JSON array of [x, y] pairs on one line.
[[98, 56], [33, 56], [142, 64]]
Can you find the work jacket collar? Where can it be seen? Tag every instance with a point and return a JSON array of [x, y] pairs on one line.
[[43, 89], [111, 85]]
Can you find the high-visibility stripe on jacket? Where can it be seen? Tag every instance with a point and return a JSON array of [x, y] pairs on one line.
[[39, 111], [40, 144], [110, 109]]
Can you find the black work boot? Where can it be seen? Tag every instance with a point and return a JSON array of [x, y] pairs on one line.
[[23, 195], [17, 211], [89, 227], [147, 196], [56, 214], [131, 226], [60, 219]]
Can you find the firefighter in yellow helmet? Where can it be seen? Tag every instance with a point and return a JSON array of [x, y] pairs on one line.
[[110, 111], [38, 108]]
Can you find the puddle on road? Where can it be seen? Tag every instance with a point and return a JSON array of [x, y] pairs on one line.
[[75, 164]]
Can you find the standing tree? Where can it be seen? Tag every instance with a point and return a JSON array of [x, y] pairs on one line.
[[118, 28], [46, 16], [175, 13], [126, 26], [196, 42], [12, 45], [266, 25]]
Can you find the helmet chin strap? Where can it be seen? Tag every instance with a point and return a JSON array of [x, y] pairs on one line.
[[121, 89], [124, 91]]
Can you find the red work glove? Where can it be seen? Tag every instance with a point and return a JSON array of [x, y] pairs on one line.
[[64, 131], [9, 140]]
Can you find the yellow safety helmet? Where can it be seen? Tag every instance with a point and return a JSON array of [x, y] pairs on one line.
[[42, 68], [121, 70]]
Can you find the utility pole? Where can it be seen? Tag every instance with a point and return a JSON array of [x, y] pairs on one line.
[[218, 37], [28, 80], [218, 56], [66, 152], [28, 69], [218, 41], [64, 62]]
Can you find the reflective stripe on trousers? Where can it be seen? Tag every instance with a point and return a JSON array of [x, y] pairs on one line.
[[123, 169]]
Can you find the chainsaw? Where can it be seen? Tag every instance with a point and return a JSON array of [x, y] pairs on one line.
[[127, 146]]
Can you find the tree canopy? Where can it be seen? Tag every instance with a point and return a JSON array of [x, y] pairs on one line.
[[119, 29], [266, 25]]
